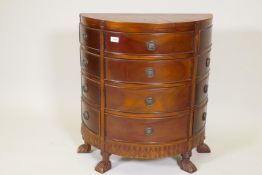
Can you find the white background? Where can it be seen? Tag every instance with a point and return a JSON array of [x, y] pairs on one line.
[[40, 88]]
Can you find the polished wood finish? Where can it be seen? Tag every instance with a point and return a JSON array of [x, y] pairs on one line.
[[201, 90], [89, 37], [133, 43], [162, 130], [90, 116], [200, 115], [91, 90], [145, 85], [90, 63], [133, 99], [163, 71], [203, 64]]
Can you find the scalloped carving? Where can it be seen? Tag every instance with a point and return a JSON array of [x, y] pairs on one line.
[[146, 151], [90, 137]]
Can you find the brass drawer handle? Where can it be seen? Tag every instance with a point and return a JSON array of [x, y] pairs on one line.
[[149, 101], [85, 115], [150, 72], [148, 131], [204, 116], [205, 88], [84, 88], [151, 45], [207, 62]]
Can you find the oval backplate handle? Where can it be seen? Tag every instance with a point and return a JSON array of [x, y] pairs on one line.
[[149, 101], [151, 45], [148, 131]]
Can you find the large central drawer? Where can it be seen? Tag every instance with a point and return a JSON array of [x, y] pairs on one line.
[[147, 130], [145, 71], [147, 100]]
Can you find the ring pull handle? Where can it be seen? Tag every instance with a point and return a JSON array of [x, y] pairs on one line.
[[84, 88], [85, 115], [150, 72], [205, 88], [207, 62], [149, 101], [148, 131], [151, 45], [204, 116]]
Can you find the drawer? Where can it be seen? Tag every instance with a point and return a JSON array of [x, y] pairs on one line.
[[200, 115], [89, 37], [90, 116], [146, 130], [205, 38], [141, 71], [147, 100], [90, 63], [203, 64], [145, 43], [201, 90], [91, 90]]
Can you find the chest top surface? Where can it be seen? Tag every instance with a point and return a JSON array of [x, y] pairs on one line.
[[144, 22]]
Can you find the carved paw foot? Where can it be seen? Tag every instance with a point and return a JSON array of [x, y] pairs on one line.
[[84, 148], [103, 166], [187, 166], [203, 148]]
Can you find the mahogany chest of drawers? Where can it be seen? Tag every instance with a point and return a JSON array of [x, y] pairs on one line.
[[144, 85]]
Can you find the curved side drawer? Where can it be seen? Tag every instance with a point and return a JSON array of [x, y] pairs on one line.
[[90, 117], [203, 64], [91, 90], [205, 38], [89, 37], [148, 43], [148, 100], [201, 90], [146, 130], [90, 63], [200, 115], [159, 71]]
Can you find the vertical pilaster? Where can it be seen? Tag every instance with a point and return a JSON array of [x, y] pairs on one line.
[[102, 85], [193, 84]]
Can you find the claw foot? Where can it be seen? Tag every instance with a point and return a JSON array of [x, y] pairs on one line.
[[84, 148], [103, 166], [187, 166], [203, 148]]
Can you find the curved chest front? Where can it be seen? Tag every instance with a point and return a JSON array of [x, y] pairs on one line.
[[144, 87]]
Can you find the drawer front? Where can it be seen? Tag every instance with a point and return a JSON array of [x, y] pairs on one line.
[[149, 43], [205, 38], [91, 91], [200, 115], [148, 100], [90, 117], [161, 71], [201, 91], [89, 37], [203, 64], [146, 130], [90, 63]]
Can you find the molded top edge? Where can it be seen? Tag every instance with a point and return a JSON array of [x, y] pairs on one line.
[[145, 22], [147, 18]]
